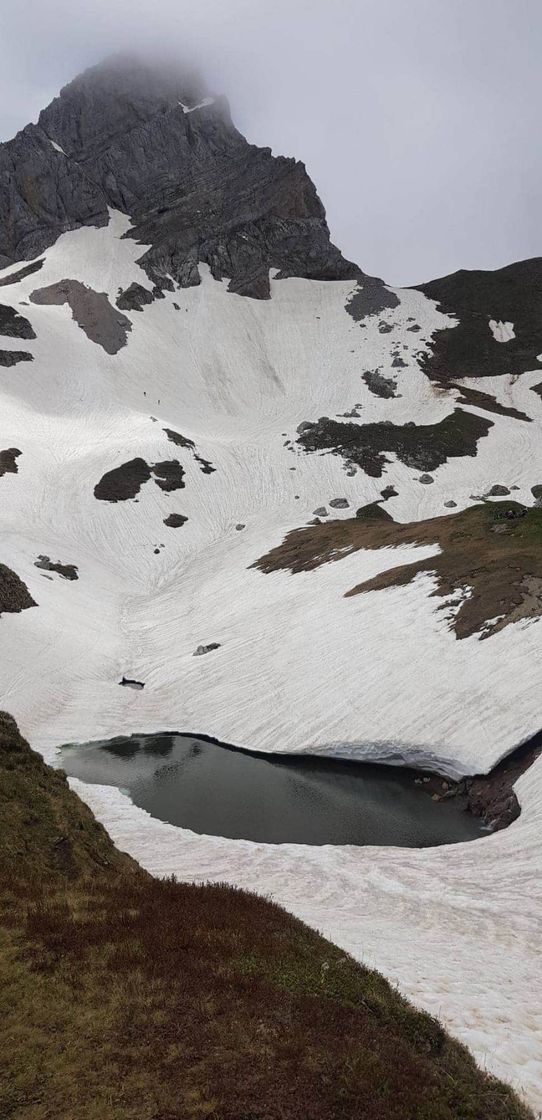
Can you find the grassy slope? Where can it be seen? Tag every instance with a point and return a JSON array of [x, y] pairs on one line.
[[497, 558], [127, 998]]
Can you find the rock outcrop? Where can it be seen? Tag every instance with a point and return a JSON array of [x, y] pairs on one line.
[[151, 143]]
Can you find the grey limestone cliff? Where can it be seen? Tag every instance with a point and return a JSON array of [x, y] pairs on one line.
[[152, 143]]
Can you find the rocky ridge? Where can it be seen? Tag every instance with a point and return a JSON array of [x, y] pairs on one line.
[[153, 144]]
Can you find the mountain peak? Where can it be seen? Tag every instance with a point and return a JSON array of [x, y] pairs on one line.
[[122, 92], [146, 138]]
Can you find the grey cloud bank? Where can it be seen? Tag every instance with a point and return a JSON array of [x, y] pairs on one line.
[[417, 121]]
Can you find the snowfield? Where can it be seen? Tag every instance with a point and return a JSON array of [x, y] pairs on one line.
[[299, 668]]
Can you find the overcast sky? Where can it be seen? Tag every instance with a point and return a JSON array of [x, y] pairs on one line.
[[419, 120]]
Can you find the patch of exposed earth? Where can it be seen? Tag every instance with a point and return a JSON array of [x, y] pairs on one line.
[[67, 571], [421, 446], [124, 482], [175, 520], [488, 570], [9, 358], [489, 796], [168, 475], [14, 594], [134, 298], [8, 461], [92, 311], [13, 324], [205, 466], [487, 401], [371, 297], [22, 273], [510, 295], [379, 385]]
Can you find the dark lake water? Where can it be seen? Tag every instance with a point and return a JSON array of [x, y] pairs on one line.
[[220, 791]]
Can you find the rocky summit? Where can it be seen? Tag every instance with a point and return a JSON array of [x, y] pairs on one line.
[[156, 146]]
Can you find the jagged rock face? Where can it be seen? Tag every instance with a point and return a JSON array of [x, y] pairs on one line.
[[482, 302], [154, 145]]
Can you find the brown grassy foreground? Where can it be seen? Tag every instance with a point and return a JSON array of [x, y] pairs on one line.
[[128, 998], [492, 551]]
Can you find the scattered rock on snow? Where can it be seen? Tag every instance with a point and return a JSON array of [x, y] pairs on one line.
[[389, 492], [128, 683], [10, 358], [426, 479], [8, 464], [379, 385], [67, 571], [14, 594], [134, 298], [497, 491], [206, 649], [175, 520], [339, 503]]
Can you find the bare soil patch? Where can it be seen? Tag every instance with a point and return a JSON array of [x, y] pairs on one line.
[[178, 439], [13, 324], [14, 594], [134, 298], [421, 446], [512, 294], [491, 796], [8, 461], [169, 475], [486, 401], [21, 273], [92, 311], [124, 482], [9, 358], [379, 385], [175, 520], [67, 571]]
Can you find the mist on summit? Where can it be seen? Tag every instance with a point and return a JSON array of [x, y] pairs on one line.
[[416, 121]]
